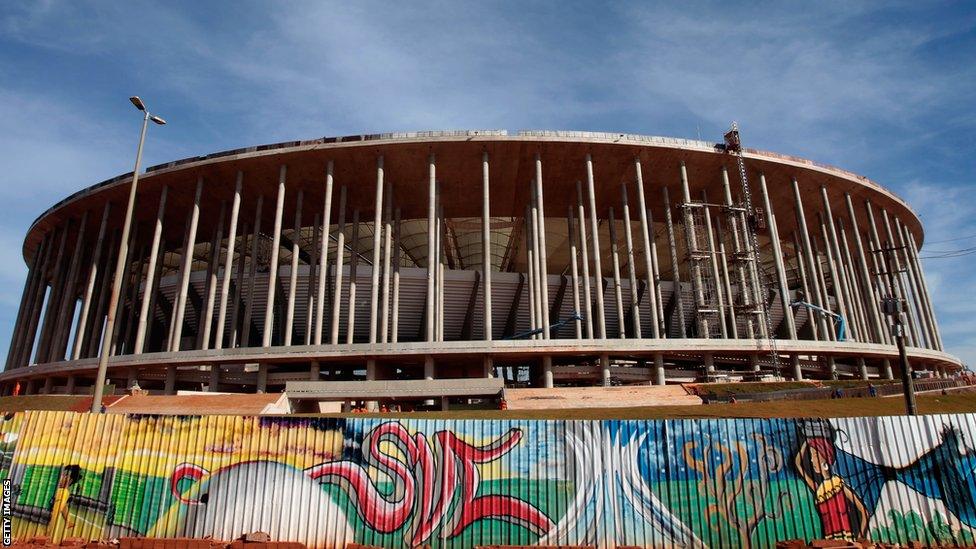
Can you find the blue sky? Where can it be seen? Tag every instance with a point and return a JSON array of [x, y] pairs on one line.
[[885, 92]]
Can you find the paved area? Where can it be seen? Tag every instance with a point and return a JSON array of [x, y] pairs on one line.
[[599, 397]]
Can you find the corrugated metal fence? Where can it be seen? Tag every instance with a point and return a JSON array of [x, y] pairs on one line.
[[329, 482]]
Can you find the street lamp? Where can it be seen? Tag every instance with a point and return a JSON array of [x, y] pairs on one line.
[[123, 257]]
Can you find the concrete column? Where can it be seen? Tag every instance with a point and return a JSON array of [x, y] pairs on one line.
[[530, 275], [601, 324], [900, 289], [191, 240], [831, 243], [716, 275], [874, 243], [486, 246], [536, 267], [836, 279], [887, 369], [741, 270], [374, 291], [821, 280], [273, 262], [69, 302], [235, 208], [797, 370], [16, 342], [863, 367], [395, 314], [754, 362], [50, 308], [387, 244], [853, 286], [69, 386], [431, 249], [675, 266], [925, 289], [631, 268], [872, 306], [314, 371], [206, 319], [324, 258], [262, 381], [131, 377], [240, 279], [428, 367], [587, 311], [487, 367], [353, 267], [574, 269], [832, 368], [605, 369], [660, 377], [296, 237], [214, 378], [656, 274], [784, 289], [86, 301], [804, 284], [543, 256], [252, 274], [340, 251], [615, 262], [439, 265], [925, 329], [691, 238], [650, 272], [547, 372], [733, 328], [311, 296], [817, 297], [709, 361]]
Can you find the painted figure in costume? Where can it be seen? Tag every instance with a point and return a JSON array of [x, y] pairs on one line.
[[842, 513], [61, 523]]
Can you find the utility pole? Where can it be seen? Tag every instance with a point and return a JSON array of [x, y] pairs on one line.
[[892, 306]]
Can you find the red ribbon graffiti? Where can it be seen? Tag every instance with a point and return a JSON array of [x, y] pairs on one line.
[[428, 476]]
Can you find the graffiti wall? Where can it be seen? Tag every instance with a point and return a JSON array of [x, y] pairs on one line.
[[407, 483]]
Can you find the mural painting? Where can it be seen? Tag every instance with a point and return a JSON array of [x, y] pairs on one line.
[[328, 482]]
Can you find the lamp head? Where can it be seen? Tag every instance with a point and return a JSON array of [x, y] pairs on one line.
[[138, 102]]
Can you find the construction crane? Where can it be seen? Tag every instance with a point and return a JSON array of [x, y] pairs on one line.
[[733, 145], [838, 320]]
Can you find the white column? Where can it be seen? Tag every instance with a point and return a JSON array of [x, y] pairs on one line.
[[601, 325], [615, 261], [374, 291], [235, 209], [395, 313], [206, 318], [571, 232], [631, 267], [296, 238], [543, 255], [387, 243], [89, 288], [174, 344], [486, 246], [340, 252], [273, 262], [353, 264], [431, 250], [784, 289], [646, 231], [587, 311], [324, 257]]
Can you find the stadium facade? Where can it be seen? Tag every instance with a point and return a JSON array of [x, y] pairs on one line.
[[558, 258]]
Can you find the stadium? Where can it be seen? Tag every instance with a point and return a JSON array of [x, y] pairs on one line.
[[540, 259]]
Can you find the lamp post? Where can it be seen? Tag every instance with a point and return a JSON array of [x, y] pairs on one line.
[[123, 257]]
